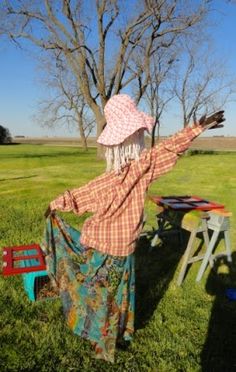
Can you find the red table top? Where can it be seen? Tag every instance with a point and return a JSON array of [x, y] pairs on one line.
[[186, 202]]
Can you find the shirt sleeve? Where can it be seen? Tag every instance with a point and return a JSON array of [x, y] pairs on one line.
[[78, 200], [165, 155]]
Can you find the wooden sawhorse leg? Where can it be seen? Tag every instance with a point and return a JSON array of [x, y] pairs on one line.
[[218, 222], [200, 227], [207, 255], [186, 256]]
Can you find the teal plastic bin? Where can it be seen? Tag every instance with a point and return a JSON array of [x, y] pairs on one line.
[[31, 279]]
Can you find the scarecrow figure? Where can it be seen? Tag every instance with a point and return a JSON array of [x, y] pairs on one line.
[[94, 269]]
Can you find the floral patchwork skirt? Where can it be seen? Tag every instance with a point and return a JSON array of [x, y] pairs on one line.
[[96, 289]]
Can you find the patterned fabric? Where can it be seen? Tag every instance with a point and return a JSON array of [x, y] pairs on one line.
[[122, 120], [96, 290], [117, 201]]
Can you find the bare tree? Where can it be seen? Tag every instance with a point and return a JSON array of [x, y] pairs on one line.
[[202, 84], [159, 91], [64, 103], [100, 40]]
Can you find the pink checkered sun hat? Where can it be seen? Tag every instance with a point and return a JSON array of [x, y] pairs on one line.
[[122, 120]]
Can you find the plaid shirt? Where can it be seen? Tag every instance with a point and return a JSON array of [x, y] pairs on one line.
[[117, 201]]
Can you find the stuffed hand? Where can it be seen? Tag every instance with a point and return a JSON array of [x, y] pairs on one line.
[[213, 121]]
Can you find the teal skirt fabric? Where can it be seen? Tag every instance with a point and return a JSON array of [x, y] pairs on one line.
[[97, 290]]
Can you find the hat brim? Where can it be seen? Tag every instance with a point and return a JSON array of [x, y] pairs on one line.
[[109, 136]]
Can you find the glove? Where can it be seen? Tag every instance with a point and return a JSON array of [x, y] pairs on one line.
[[213, 121]]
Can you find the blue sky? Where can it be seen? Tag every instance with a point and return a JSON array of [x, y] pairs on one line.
[[20, 89]]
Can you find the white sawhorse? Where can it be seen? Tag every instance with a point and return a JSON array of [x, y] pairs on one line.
[[197, 223], [218, 222]]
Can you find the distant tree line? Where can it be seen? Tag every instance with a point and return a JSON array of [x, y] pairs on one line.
[[5, 136]]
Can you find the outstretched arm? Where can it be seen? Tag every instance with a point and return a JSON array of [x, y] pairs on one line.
[[165, 155], [78, 201]]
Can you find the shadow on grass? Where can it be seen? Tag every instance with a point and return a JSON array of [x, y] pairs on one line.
[[154, 271], [219, 351], [10, 144], [17, 178], [202, 152], [47, 155]]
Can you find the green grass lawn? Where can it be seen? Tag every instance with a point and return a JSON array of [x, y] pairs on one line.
[[187, 328]]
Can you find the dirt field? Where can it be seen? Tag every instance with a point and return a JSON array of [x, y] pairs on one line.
[[215, 143], [203, 143]]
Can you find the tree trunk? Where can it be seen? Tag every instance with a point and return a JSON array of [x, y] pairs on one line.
[[81, 130], [83, 139], [100, 119], [156, 125], [153, 135]]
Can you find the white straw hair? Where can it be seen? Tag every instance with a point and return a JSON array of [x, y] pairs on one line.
[[119, 156]]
